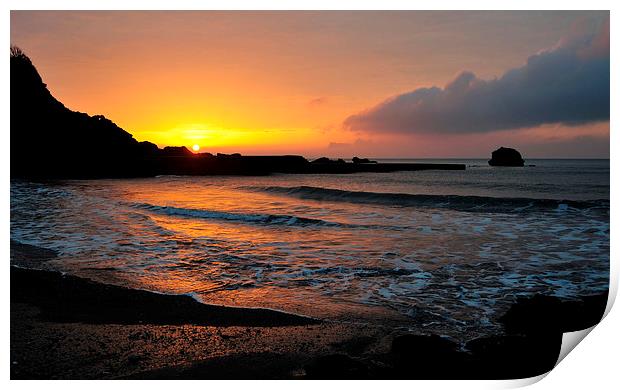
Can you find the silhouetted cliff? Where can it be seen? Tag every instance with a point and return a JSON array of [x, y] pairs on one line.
[[49, 141]]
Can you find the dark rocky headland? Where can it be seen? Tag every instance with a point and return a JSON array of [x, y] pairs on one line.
[[49, 141]]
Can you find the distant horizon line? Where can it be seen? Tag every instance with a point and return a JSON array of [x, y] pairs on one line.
[[311, 157], [487, 158]]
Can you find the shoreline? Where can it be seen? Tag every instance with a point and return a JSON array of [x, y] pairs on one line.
[[67, 298], [63, 326]]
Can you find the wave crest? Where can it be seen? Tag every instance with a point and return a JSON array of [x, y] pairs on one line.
[[455, 202], [265, 219]]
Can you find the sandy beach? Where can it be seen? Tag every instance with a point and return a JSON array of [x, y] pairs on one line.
[[63, 326], [67, 327]]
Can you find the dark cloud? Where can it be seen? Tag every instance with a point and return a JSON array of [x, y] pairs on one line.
[[567, 84]]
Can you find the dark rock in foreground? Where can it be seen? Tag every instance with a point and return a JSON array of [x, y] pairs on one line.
[[506, 157], [530, 346], [514, 356], [544, 314], [337, 366], [495, 357], [427, 357]]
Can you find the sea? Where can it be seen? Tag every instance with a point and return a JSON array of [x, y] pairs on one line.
[[432, 251]]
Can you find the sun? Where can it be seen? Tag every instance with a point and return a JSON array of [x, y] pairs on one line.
[[196, 148]]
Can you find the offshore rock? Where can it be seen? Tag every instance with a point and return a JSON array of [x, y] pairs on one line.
[[506, 157]]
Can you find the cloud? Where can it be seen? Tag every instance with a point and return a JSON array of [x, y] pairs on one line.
[[359, 143], [338, 145], [567, 84], [358, 147]]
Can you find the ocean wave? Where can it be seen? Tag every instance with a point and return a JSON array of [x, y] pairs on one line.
[[455, 202], [263, 219]]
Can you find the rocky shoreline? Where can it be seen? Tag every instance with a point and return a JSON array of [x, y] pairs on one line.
[[63, 326]]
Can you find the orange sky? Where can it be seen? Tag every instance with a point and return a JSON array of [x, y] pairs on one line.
[[284, 82]]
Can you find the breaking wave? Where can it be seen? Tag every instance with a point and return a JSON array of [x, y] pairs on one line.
[[263, 219], [454, 202]]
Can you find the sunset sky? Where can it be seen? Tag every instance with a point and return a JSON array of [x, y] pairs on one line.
[[376, 84]]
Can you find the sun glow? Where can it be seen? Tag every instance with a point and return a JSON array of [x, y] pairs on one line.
[[212, 138]]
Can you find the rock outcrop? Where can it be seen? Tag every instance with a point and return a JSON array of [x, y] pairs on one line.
[[176, 151], [325, 160], [530, 345], [357, 160], [506, 157]]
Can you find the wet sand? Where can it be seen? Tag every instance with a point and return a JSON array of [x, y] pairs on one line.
[[65, 327], [66, 298], [42, 349]]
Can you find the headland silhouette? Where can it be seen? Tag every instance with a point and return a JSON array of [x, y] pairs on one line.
[[48, 141]]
